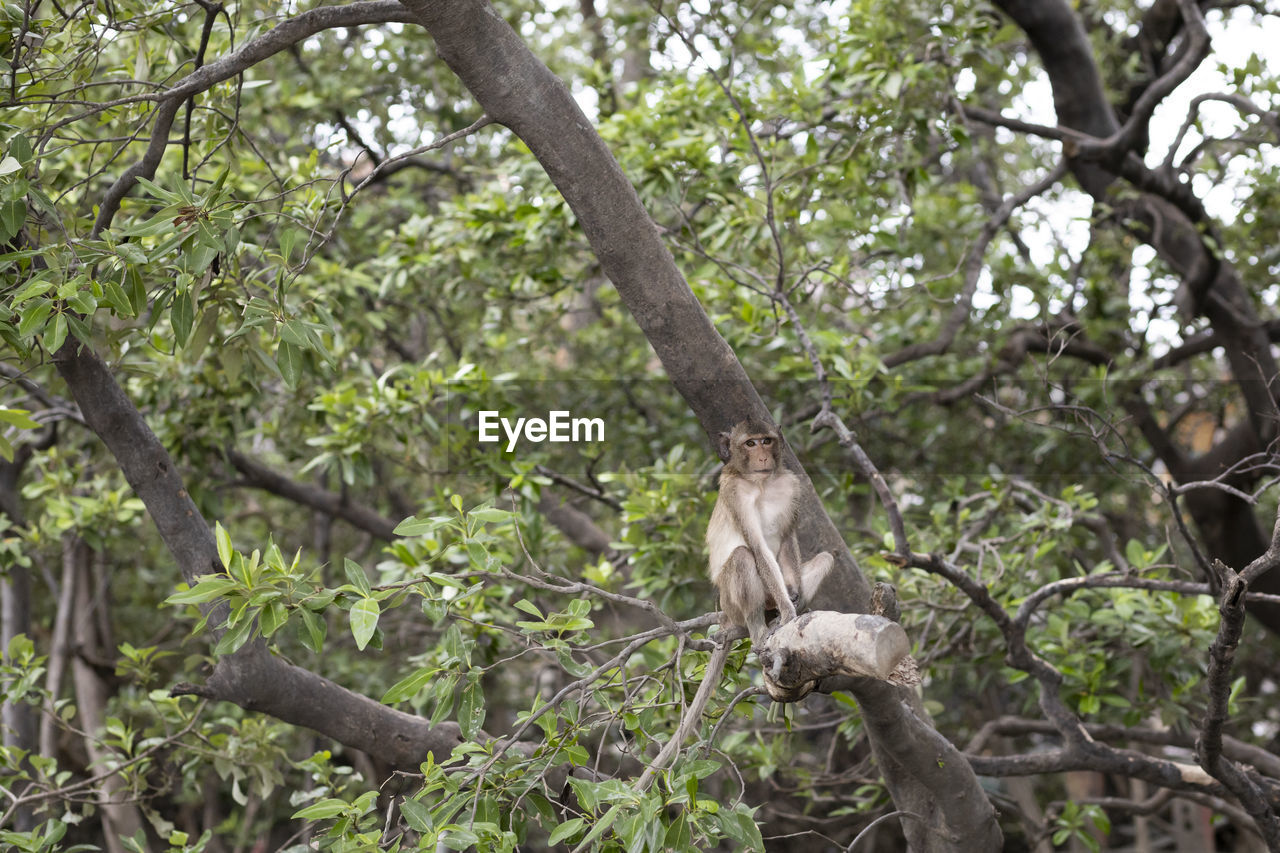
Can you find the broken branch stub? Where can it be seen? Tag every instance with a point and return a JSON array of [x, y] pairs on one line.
[[825, 643]]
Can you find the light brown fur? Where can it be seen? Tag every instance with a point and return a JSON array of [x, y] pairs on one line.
[[755, 553]]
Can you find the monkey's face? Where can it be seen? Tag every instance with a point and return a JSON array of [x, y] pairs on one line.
[[759, 456]]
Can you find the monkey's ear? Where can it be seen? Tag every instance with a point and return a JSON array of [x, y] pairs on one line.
[[723, 445]]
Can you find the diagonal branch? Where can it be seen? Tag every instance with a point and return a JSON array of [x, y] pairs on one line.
[[331, 503], [252, 678]]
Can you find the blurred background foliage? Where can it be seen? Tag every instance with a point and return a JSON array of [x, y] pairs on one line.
[[252, 302]]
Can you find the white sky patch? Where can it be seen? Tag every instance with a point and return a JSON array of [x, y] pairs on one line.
[[1064, 220], [1050, 227]]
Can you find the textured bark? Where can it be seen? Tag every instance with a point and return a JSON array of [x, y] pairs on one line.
[[1171, 221], [822, 644], [517, 90], [17, 719], [252, 678]]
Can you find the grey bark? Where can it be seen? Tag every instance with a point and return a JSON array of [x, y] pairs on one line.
[[1167, 217], [252, 678], [519, 91], [17, 719], [119, 819]]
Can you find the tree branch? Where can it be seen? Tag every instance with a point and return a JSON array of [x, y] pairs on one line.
[[252, 678], [516, 89], [331, 503], [289, 32], [973, 265]]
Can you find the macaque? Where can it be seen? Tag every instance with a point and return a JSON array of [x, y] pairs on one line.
[[755, 554]]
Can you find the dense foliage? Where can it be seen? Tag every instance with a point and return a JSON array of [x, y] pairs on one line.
[[330, 263]]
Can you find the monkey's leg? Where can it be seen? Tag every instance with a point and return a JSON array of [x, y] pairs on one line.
[[812, 574], [742, 595]]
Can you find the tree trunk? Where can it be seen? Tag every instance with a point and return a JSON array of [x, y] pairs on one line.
[[519, 91], [17, 720], [119, 819]]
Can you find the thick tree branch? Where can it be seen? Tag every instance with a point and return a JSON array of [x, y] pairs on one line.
[[331, 503], [517, 90], [252, 678]]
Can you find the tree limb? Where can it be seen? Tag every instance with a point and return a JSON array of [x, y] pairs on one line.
[[518, 90], [331, 503], [252, 678]]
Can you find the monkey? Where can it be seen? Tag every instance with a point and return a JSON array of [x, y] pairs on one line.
[[755, 557], [755, 553]]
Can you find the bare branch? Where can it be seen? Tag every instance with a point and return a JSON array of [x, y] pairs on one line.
[[331, 503]]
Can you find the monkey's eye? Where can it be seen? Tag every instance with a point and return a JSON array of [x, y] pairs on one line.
[[766, 441], [751, 442]]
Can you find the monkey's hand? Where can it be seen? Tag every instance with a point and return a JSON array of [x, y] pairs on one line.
[[786, 610]]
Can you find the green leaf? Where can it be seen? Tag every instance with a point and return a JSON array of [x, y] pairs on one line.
[[414, 526], [34, 287], [32, 320], [289, 359], [131, 253], [321, 810], [313, 630], [182, 315], [568, 829], [223, 539], [56, 333], [18, 418], [407, 688], [20, 148], [490, 514], [602, 826], [416, 815], [233, 639], [297, 334], [471, 709], [740, 826], [207, 588], [459, 838], [272, 617], [529, 607], [356, 576], [364, 621]]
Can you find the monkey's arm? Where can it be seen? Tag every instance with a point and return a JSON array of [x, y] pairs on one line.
[[766, 563], [789, 560]]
